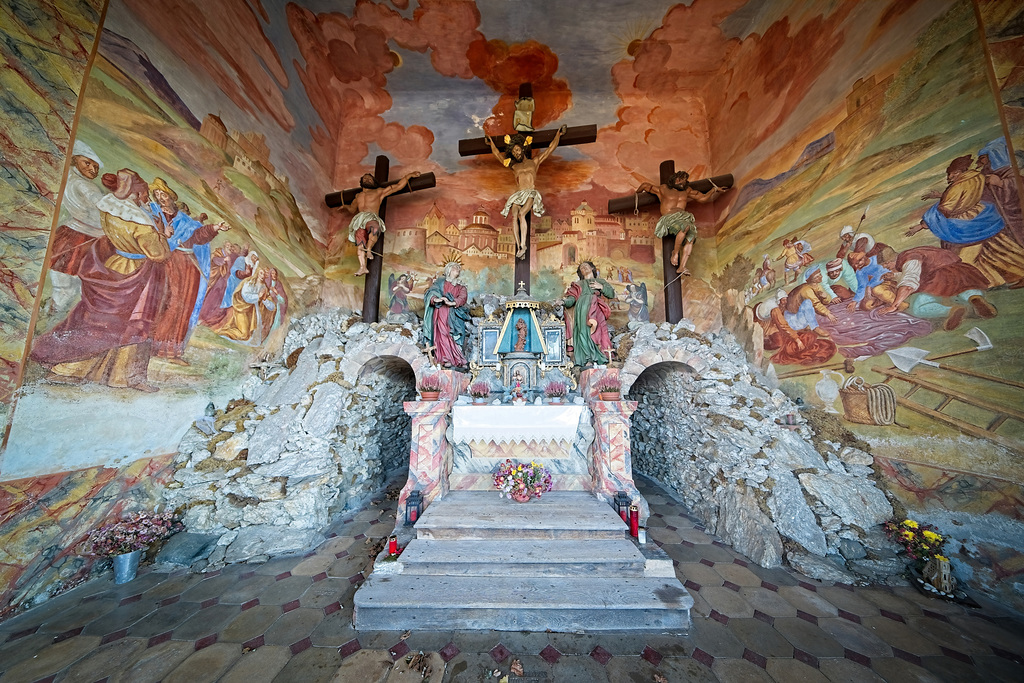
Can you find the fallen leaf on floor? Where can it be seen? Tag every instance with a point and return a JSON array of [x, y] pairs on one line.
[[517, 667], [405, 635], [504, 679], [658, 678]]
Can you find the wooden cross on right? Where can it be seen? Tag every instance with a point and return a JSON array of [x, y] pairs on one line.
[[673, 287], [576, 135]]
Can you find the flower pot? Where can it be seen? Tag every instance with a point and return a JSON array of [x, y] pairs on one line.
[[126, 566], [520, 496], [479, 400], [429, 395], [610, 395], [555, 400]]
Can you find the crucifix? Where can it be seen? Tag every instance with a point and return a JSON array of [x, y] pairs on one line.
[[526, 200], [371, 248], [672, 196]]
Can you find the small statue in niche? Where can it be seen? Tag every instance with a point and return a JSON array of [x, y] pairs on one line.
[[516, 392], [520, 335], [675, 219], [517, 158], [366, 226]]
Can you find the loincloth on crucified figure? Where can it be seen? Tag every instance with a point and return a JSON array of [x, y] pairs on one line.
[[675, 223], [520, 198], [362, 226]]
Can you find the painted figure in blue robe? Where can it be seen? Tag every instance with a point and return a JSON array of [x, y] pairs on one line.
[[188, 272]]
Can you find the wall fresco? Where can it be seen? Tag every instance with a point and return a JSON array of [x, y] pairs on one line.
[[44, 50], [873, 250], [45, 519]]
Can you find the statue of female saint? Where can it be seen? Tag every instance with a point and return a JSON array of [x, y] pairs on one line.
[[445, 316]]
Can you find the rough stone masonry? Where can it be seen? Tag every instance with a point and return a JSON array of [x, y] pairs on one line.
[[315, 434]]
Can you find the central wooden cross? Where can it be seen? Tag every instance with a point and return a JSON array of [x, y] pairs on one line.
[[576, 135]]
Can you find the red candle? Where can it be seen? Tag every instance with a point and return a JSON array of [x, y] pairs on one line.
[[413, 512], [393, 545], [634, 521], [624, 515]]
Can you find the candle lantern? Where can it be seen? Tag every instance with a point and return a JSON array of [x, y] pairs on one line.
[[634, 521], [413, 507], [393, 545], [621, 504]]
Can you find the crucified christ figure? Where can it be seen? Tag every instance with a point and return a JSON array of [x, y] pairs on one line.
[[366, 226], [527, 198], [675, 219]]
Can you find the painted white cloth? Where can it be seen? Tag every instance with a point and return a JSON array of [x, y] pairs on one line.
[[125, 209], [359, 222], [520, 198], [511, 424], [78, 209]]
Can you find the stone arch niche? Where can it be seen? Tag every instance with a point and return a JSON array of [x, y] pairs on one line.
[[664, 435], [390, 381]]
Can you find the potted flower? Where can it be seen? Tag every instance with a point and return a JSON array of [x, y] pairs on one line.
[[125, 539], [430, 388], [555, 391], [924, 545], [479, 391], [609, 389], [522, 481]]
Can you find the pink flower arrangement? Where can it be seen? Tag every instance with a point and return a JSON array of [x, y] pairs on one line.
[[522, 480], [137, 531], [479, 389], [430, 383], [555, 390]]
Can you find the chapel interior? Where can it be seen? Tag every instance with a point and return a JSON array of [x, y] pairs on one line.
[[737, 282]]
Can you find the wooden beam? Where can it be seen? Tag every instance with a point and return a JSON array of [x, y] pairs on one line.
[[574, 135], [420, 182], [371, 285], [673, 287], [620, 204]]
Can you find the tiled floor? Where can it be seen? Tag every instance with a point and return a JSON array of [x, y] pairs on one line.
[[290, 620]]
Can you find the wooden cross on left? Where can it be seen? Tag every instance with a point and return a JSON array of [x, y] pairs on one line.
[[374, 263]]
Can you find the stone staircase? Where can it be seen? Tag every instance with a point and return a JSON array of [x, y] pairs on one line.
[[563, 562]]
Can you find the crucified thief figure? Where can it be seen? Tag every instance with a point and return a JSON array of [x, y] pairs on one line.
[[366, 226], [526, 198], [675, 219]]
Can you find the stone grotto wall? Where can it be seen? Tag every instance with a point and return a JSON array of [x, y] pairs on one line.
[[314, 433], [708, 427]]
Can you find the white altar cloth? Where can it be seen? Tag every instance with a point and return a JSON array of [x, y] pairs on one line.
[[509, 424]]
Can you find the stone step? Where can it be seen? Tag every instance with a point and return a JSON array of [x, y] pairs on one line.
[[402, 601], [483, 515], [565, 558]]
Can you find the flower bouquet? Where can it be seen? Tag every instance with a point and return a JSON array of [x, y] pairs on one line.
[[609, 389], [555, 391], [125, 539], [479, 391], [522, 481], [923, 545], [430, 388], [137, 531]]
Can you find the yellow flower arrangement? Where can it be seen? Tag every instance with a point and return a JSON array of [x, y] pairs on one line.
[[919, 540]]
